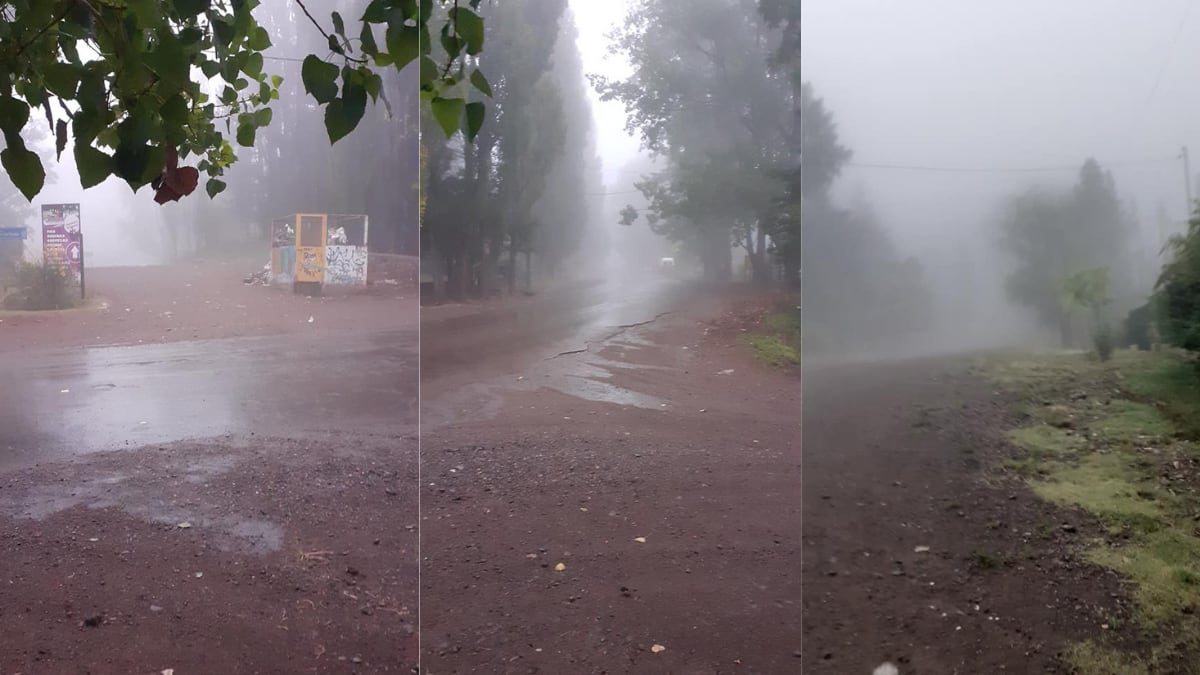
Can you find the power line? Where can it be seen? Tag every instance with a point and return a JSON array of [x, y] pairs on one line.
[[965, 169], [1170, 51]]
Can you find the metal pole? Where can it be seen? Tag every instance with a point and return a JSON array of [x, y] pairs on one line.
[[82, 266]]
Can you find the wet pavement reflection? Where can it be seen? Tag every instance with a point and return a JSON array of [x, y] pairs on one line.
[[60, 403]]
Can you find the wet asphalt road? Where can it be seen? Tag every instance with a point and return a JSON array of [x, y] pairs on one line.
[[56, 404]]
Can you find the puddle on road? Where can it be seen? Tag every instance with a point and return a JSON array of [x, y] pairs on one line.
[[153, 500], [585, 375]]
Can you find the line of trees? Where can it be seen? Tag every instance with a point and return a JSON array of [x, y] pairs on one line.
[[712, 93], [518, 193], [1057, 237], [859, 292]]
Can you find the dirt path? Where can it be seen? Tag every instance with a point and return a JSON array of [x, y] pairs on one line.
[[892, 464], [667, 491]]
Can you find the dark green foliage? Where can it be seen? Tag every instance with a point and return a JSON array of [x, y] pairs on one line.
[[1137, 327], [1178, 290]]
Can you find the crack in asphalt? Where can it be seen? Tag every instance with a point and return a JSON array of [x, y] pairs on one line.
[[620, 329]]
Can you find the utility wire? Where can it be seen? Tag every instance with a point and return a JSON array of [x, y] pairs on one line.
[[1187, 10], [964, 169]]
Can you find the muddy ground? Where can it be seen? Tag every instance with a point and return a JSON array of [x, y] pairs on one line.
[[916, 553], [244, 503], [201, 300], [657, 464]]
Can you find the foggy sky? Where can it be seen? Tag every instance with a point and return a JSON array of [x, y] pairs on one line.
[[1003, 85]]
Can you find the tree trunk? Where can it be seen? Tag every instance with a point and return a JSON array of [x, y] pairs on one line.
[[528, 271]]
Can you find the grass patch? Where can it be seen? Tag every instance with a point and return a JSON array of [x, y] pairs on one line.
[[1132, 422], [1043, 440], [1101, 436], [1175, 385], [1091, 658], [1106, 485], [772, 350], [784, 324], [1165, 565]]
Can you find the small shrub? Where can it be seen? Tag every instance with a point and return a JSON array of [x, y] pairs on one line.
[[41, 287]]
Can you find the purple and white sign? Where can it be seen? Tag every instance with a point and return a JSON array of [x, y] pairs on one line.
[[62, 242]]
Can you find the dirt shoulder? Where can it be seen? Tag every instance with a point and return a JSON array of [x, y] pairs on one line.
[[198, 301], [1116, 442], [915, 552], [660, 469], [235, 555]]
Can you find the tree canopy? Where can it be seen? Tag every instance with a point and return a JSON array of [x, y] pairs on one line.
[[137, 86]]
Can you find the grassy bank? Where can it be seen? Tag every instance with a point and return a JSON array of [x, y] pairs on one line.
[[777, 341], [1119, 440]]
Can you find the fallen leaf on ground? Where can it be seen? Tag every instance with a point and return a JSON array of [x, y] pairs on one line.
[[640, 540], [184, 525], [658, 648], [921, 549], [560, 567]]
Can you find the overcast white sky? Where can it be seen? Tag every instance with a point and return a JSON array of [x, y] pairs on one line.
[[1005, 84], [595, 20]]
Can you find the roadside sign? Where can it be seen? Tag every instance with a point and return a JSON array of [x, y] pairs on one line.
[[12, 233], [61, 238]]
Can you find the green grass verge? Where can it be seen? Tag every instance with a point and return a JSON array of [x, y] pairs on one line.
[[1099, 438], [772, 350], [780, 345]]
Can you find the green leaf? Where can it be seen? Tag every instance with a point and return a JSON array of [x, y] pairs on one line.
[[210, 68], [367, 40], [335, 46], [276, 80], [469, 27], [259, 40], [189, 8], [25, 169], [403, 43], [447, 112], [14, 113], [373, 84], [376, 12], [429, 69], [453, 44], [475, 116], [254, 64], [214, 187], [338, 26], [262, 117], [480, 82], [245, 134], [62, 79], [60, 138], [138, 164], [94, 165], [344, 114], [320, 78]]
